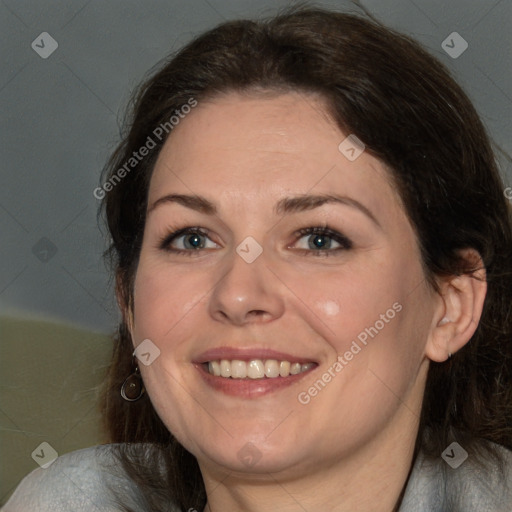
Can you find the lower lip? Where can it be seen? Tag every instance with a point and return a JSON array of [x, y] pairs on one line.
[[249, 388]]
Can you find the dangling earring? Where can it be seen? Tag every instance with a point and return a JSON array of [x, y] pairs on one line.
[[133, 387]]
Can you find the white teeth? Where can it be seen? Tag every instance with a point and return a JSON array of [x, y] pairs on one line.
[[295, 368], [225, 368], [238, 369], [256, 368], [214, 368], [271, 368], [284, 368]]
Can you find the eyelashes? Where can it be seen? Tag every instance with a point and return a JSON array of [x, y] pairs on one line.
[[319, 234], [165, 243], [319, 238]]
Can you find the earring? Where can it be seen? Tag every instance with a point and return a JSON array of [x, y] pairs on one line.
[[133, 387], [449, 355]]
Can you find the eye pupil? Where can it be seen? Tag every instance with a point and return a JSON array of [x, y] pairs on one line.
[[320, 241], [196, 240]]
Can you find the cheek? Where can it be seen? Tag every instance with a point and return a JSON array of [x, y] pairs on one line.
[[165, 302], [370, 321], [162, 298], [343, 304], [328, 308], [368, 304]]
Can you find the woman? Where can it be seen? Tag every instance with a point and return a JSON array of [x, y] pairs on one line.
[[312, 250]]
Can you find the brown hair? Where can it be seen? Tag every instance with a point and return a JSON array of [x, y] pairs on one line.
[[409, 112]]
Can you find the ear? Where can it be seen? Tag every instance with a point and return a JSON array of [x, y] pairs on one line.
[[458, 311], [124, 301]]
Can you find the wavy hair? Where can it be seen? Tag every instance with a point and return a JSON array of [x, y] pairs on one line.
[[411, 114]]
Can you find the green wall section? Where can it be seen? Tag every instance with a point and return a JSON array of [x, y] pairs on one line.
[[49, 387]]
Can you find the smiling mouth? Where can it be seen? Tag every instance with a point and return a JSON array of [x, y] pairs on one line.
[[255, 368]]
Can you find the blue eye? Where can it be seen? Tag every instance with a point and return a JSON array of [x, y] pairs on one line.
[[320, 243], [321, 240], [192, 240]]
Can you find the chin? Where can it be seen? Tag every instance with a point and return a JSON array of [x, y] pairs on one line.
[[245, 456]]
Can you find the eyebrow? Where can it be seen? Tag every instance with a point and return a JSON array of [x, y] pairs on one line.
[[284, 206]]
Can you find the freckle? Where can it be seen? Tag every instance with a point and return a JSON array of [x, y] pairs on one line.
[[329, 307]]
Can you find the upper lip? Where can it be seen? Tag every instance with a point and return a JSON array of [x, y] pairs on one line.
[[248, 354]]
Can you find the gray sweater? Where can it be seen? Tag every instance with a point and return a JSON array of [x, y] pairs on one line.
[[80, 482]]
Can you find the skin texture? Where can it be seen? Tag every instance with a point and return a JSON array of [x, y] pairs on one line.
[[350, 447]]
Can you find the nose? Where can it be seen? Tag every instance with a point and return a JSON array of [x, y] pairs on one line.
[[246, 292]]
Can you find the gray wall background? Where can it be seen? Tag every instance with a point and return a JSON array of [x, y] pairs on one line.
[[60, 120]]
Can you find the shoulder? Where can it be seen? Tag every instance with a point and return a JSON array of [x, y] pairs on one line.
[[78, 481], [469, 487]]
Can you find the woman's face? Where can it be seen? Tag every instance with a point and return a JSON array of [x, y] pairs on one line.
[[351, 305]]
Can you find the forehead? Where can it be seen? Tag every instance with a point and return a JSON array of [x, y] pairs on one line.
[[239, 145]]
